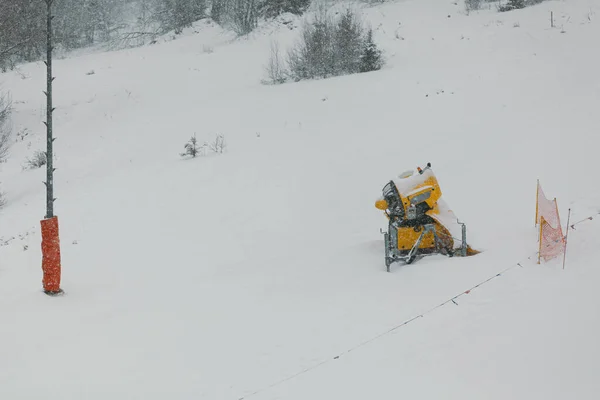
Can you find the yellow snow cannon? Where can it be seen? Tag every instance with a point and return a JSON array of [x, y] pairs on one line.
[[419, 221]]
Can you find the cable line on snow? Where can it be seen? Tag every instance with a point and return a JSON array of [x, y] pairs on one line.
[[590, 218], [406, 322], [382, 334]]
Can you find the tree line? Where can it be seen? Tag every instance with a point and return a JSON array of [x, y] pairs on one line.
[[122, 23]]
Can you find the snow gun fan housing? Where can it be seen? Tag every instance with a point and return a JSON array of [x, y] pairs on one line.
[[420, 222]]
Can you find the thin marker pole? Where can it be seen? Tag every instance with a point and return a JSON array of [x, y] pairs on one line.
[[566, 236]]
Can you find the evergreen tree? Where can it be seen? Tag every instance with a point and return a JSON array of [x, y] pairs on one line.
[[348, 43], [329, 48], [371, 59], [192, 148]]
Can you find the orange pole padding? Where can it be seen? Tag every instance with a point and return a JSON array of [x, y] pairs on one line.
[[51, 256]]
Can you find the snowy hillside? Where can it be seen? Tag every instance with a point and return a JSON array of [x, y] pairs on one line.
[[247, 274]]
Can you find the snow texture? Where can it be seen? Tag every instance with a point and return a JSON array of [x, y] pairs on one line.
[[259, 273]]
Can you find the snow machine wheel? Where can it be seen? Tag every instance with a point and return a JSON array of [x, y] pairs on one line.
[[447, 252]]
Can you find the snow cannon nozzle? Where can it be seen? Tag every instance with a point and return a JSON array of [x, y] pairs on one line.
[[423, 170]]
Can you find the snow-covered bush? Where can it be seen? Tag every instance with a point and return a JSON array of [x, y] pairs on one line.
[[327, 48], [218, 145], [314, 55], [472, 5], [2, 199], [38, 160], [276, 70]]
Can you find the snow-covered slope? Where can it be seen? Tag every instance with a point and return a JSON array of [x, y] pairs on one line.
[[223, 276]]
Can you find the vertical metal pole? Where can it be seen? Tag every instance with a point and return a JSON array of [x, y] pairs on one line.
[[566, 237], [386, 242], [49, 110], [50, 237], [464, 240]]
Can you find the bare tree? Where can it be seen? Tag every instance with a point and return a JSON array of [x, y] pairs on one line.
[[76, 24], [177, 14], [145, 29], [5, 126], [218, 145], [21, 33], [276, 71], [5, 134], [245, 16]]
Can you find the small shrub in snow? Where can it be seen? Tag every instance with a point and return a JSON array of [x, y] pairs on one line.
[[276, 71], [2, 199], [38, 160], [218, 145], [192, 149], [22, 134]]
